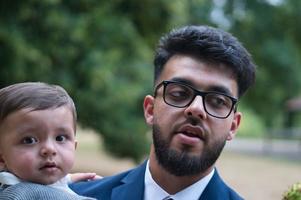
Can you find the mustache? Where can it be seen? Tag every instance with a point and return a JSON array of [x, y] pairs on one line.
[[191, 121], [194, 121]]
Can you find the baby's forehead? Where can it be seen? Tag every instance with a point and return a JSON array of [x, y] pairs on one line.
[[55, 118], [29, 109]]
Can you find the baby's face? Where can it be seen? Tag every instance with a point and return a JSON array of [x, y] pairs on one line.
[[38, 146]]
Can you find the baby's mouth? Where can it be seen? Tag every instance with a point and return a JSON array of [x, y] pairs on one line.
[[49, 166]]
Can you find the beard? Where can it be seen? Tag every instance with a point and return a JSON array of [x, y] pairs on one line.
[[182, 163]]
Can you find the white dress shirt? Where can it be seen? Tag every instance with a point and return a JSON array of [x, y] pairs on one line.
[[153, 191]]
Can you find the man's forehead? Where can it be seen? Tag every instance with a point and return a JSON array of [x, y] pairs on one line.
[[199, 74]]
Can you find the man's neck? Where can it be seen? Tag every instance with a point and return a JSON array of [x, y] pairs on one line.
[[169, 182]]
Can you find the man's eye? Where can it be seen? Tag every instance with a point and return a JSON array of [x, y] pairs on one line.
[[29, 140], [61, 138], [218, 101], [179, 94]]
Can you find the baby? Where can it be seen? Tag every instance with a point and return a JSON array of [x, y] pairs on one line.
[[37, 142]]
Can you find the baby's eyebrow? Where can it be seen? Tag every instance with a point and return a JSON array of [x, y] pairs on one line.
[[25, 128], [65, 129]]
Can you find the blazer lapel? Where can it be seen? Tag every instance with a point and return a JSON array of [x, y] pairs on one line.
[[132, 185], [216, 189]]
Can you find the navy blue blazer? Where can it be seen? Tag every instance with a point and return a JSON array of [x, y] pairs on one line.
[[130, 186]]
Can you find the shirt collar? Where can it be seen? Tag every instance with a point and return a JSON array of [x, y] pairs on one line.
[[153, 191], [7, 178]]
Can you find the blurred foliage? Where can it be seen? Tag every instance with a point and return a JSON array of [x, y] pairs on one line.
[[271, 32], [93, 50], [251, 125], [101, 51], [294, 193]]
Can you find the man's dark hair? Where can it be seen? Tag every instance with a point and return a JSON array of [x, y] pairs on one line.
[[210, 45], [35, 96]]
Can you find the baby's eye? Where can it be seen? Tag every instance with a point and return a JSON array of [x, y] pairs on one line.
[[29, 140], [61, 138]]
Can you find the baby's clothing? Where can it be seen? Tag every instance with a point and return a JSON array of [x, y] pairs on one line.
[[11, 187]]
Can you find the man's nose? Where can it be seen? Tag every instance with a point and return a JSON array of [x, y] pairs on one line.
[[196, 108]]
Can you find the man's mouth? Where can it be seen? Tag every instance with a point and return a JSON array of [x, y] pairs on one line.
[[190, 135], [192, 131]]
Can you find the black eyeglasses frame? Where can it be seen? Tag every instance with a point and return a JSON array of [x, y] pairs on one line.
[[196, 93]]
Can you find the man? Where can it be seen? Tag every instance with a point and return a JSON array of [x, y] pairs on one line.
[[200, 73]]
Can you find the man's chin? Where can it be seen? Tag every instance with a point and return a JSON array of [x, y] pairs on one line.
[[188, 151], [179, 163]]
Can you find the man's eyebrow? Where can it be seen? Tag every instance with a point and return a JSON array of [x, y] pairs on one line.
[[214, 88], [220, 89], [182, 80]]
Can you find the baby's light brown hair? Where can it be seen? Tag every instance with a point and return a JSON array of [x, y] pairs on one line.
[[34, 96]]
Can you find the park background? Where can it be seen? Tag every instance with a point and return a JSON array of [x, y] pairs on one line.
[[101, 52]]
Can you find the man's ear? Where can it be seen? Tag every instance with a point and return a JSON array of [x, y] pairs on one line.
[[148, 106], [234, 126]]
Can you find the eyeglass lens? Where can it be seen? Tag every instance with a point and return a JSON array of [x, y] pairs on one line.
[[179, 95]]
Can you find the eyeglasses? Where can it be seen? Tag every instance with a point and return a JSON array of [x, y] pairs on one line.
[[181, 95]]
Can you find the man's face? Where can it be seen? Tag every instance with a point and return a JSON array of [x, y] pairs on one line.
[[187, 141], [38, 146]]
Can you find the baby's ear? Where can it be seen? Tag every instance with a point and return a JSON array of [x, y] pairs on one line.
[[75, 144], [2, 163]]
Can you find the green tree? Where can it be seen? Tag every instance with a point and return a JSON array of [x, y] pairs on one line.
[[272, 34], [98, 50], [270, 30], [102, 51]]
